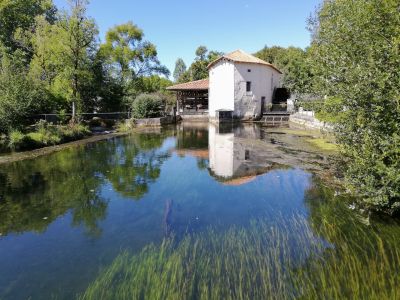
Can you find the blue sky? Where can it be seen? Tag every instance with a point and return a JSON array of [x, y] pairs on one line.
[[178, 27]]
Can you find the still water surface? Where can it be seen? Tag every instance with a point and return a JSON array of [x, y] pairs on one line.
[[66, 217]]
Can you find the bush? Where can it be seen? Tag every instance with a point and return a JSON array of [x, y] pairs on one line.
[[46, 135], [19, 141], [147, 106], [74, 132], [19, 95]]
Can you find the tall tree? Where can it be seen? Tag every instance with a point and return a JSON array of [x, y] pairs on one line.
[[77, 39], [131, 56], [198, 69], [46, 50], [201, 53], [356, 57], [180, 68]]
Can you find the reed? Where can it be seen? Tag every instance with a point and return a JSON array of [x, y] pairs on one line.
[[288, 260]]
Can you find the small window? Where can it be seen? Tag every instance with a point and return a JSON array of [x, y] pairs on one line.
[[246, 154], [249, 70], [248, 86]]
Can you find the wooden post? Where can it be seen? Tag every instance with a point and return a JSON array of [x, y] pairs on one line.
[[177, 102], [196, 99]]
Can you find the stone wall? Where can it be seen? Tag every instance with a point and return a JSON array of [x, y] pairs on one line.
[[194, 118], [152, 122], [308, 120]]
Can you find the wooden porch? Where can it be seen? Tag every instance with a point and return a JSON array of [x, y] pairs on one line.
[[191, 97]]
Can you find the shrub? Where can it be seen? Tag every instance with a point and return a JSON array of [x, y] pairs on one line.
[[45, 139], [147, 106], [19, 95], [74, 132], [46, 135], [124, 126], [62, 116], [19, 141]]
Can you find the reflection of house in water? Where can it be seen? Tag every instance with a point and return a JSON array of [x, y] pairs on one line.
[[232, 160]]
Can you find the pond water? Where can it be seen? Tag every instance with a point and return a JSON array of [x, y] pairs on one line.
[[189, 212]]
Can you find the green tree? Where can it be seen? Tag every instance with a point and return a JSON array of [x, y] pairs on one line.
[[77, 38], [180, 68], [19, 16], [355, 50], [131, 57], [198, 69], [152, 84], [201, 53], [105, 93], [273, 54], [295, 65], [45, 62]]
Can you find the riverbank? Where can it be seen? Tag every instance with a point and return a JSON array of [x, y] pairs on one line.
[[98, 136], [18, 156]]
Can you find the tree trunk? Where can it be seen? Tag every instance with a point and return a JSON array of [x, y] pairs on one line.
[[73, 113]]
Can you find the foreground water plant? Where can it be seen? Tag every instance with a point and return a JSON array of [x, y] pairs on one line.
[[288, 260]]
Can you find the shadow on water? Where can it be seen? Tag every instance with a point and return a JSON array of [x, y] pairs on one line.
[[188, 212]]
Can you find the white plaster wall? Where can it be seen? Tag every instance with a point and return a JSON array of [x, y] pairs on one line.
[[264, 80], [221, 87]]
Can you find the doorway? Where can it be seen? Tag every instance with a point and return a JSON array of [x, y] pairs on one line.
[[263, 106]]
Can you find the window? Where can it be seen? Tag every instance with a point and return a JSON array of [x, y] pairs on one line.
[[246, 154], [248, 86]]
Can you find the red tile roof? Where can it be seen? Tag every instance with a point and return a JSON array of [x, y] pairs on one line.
[[239, 181], [242, 57], [197, 85]]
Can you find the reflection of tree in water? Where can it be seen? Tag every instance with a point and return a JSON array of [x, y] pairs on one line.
[[202, 163], [34, 193], [192, 138], [135, 164], [193, 141], [328, 212], [362, 260]]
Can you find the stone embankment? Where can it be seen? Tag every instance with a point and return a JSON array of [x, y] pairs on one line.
[[308, 120]]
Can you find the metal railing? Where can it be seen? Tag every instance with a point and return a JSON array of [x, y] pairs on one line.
[[85, 116]]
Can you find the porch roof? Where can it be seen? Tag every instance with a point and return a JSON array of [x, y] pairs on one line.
[[198, 85]]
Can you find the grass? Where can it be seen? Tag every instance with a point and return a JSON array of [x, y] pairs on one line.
[[124, 127], [323, 144], [298, 132], [315, 138], [286, 261], [46, 135]]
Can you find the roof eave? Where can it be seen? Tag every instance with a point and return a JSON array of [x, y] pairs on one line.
[[242, 62], [185, 89], [216, 61]]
